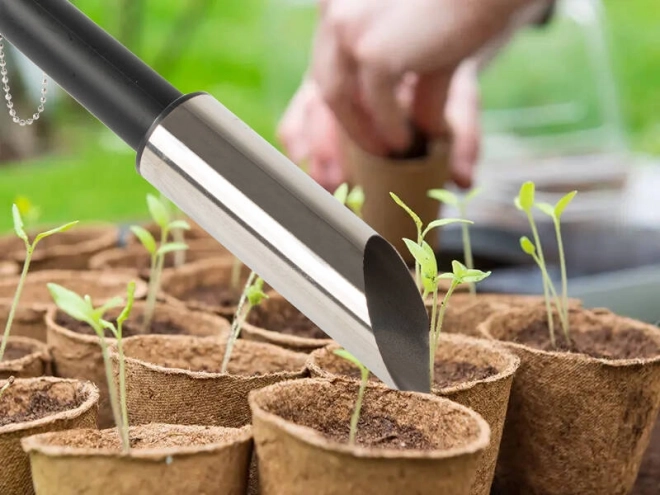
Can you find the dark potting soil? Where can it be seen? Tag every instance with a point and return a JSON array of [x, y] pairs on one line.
[[130, 328], [37, 405], [379, 432], [15, 352], [601, 343], [212, 295], [289, 321], [452, 373]]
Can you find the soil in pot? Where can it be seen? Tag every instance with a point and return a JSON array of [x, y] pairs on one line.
[[579, 421], [24, 358], [38, 405], [473, 372], [69, 250], [36, 299], [76, 352], [135, 258], [409, 443], [277, 321], [176, 459]]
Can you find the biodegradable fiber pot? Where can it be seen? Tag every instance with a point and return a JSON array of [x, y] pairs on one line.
[[24, 358], [473, 372], [165, 459], [8, 268], [277, 321], [406, 442], [39, 405], [205, 285], [578, 422], [134, 258], [177, 378], [36, 299], [410, 179], [69, 250], [76, 352]]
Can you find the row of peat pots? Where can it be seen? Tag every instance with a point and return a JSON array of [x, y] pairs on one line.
[[508, 414]]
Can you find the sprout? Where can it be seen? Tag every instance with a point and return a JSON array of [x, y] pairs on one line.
[[161, 216], [178, 235], [364, 373], [423, 232], [10, 382], [451, 199], [353, 198], [29, 212], [253, 295], [29, 249], [82, 309]]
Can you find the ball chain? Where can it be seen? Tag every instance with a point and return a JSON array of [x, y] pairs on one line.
[[10, 104]]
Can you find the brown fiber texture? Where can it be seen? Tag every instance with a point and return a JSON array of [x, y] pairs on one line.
[[15, 466], [35, 361], [576, 425], [134, 258], [77, 355], [177, 379], [70, 250], [36, 299], [489, 396], [213, 273], [408, 179], [8, 268], [296, 458], [278, 308], [164, 460]]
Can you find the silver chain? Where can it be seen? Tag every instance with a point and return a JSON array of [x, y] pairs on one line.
[[5, 87]]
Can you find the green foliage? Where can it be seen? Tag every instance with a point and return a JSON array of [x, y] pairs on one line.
[[82, 309], [364, 379], [353, 198]]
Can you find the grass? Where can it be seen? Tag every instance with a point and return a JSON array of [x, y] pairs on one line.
[[250, 55]]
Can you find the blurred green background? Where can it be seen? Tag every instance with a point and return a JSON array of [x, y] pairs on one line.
[[250, 53]]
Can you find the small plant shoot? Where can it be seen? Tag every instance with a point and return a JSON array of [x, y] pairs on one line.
[[29, 250], [82, 309], [178, 235], [364, 378], [461, 203], [422, 232], [353, 198], [10, 382], [30, 213], [526, 202], [161, 216], [253, 295]]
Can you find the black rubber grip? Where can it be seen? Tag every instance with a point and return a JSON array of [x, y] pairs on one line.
[[89, 64]]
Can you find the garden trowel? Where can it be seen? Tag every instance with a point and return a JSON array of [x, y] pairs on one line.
[[278, 221]]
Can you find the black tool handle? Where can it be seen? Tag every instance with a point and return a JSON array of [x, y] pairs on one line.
[[89, 64]]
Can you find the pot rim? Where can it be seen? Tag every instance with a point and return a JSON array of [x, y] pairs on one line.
[[39, 352], [87, 387], [33, 443], [311, 436]]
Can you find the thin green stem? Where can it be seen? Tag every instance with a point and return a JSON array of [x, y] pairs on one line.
[[4, 388], [441, 314], [434, 313], [546, 297], [237, 323], [355, 418], [157, 265], [17, 297], [418, 267], [112, 392], [564, 278], [122, 390]]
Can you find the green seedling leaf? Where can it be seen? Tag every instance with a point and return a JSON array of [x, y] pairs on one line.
[[425, 256], [442, 222], [71, 303], [406, 208], [458, 268], [446, 276], [130, 298], [444, 196], [145, 238], [344, 354], [563, 203], [109, 326], [526, 196], [171, 247], [527, 246], [115, 302], [341, 193], [255, 293], [546, 208], [18, 224], [158, 211], [473, 276], [179, 224], [57, 230], [472, 194], [355, 200]]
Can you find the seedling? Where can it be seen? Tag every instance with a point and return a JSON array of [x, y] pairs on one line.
[[424, 255], [161, 216], [29, 249], [422, 232], [82, 309], [525, 201], [29, 212], [178, 235], [10, 382], [460, 202], [353, 198], [364, 378], [253, 295]]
